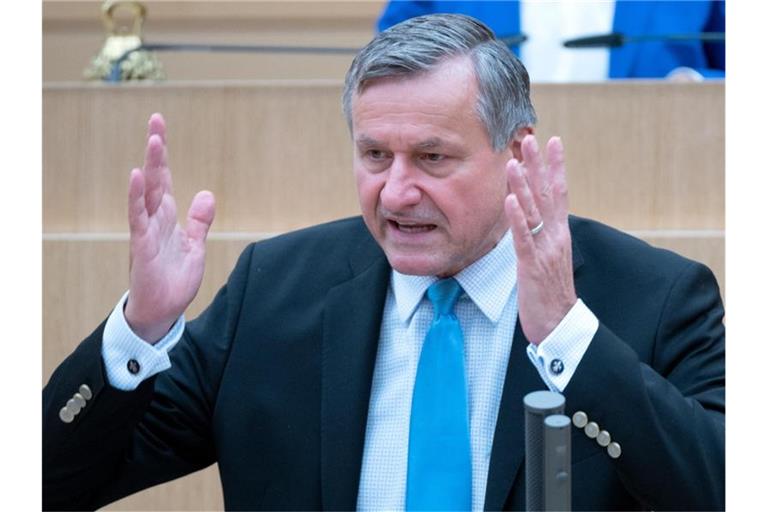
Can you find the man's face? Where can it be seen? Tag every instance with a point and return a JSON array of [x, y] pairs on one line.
[[430, 186]]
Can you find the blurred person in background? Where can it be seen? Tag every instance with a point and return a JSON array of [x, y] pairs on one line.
[[546, 24]]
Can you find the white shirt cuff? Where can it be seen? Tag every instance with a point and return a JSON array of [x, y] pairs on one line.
[[557, 357], [128, 359]]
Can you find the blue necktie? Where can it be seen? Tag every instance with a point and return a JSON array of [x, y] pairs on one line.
[[439, 460]]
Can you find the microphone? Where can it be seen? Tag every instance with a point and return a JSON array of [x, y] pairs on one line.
[[616, 39], [513, 39], [547, 452]]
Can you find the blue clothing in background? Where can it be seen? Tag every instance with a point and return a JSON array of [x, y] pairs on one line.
[[652, 59]]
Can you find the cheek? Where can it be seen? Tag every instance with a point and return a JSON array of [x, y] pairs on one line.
[[481, 205], [368, 189]]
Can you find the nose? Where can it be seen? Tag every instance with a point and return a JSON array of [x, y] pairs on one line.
[[401, 189]]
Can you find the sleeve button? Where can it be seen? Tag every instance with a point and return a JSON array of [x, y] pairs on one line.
[[580, 419], [86, 392], [79, 400], [614, 450], [72, 406], [591, 429], [66, 415]]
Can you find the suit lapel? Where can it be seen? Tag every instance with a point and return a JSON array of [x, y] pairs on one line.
[[508, 450], [351, 326]]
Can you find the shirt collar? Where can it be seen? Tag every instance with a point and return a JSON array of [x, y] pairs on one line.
[[488, 282]]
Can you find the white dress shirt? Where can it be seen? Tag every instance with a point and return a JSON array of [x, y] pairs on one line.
[[487, 312]]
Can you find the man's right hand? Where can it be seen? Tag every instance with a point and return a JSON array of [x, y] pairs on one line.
[[166, 261]]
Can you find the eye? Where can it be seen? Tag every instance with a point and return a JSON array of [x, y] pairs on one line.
[[432, 157], [376, 155]]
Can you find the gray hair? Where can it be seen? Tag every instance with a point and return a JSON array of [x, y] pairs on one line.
[[420, 44]]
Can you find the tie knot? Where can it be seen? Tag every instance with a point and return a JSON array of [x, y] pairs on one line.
[[443, 295]]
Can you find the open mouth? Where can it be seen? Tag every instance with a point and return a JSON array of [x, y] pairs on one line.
[[411, 228]]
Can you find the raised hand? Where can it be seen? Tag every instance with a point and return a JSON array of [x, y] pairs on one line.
[[539, 194], [167, 261]]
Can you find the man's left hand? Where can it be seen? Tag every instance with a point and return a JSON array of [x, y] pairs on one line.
[[539, 194]]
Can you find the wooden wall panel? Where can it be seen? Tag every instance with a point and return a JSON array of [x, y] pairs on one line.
[[276, 155], [198, 491], [640, 155]]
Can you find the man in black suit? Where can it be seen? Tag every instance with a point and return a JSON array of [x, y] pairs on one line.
[[297, 379]]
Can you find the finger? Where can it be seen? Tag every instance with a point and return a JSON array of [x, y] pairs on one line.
[[556, 162], [518, 185], [156, 172], [156, 126], [538, 175], [521, 233], [200, 215], [137, 211]]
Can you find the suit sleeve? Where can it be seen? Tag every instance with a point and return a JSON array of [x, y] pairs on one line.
[[125, 441], [668, 413]]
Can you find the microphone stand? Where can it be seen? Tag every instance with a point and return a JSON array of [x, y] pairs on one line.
[[617, 39], [114, 75]]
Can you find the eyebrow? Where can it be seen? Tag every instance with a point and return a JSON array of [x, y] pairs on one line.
[[365, 141], [431, 143]]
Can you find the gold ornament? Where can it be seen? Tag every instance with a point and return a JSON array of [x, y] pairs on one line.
[[140, 64]]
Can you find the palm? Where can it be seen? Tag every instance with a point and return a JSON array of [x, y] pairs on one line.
[[167, 261], [545, 272]]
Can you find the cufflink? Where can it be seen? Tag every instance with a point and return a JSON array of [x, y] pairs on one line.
[[133, 366], [556, 366]]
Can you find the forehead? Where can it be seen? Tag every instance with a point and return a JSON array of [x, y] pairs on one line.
[[441, 99]]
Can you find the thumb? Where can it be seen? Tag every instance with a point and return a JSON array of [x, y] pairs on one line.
[[200, 215]]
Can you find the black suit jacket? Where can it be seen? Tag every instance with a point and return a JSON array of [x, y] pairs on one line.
[[273, 382]]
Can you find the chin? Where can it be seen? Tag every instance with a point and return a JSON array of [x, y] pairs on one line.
[[413, 265]]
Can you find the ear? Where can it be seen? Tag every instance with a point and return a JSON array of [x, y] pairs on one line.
[[517, 141]]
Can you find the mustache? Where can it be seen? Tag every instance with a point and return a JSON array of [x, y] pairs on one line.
[[410, 217]]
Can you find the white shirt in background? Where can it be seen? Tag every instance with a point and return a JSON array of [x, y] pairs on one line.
[[547, 24]]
